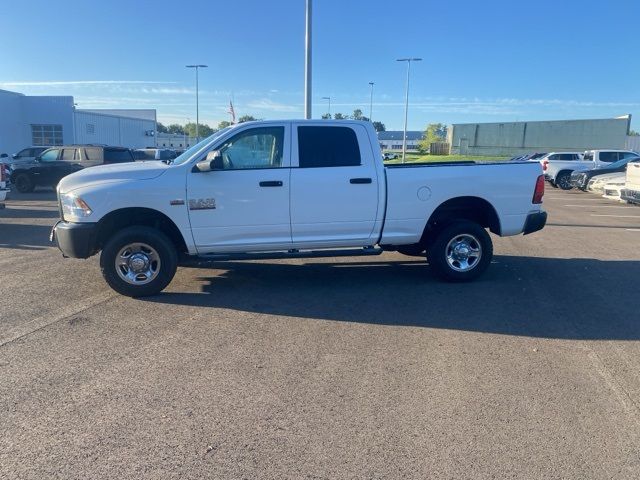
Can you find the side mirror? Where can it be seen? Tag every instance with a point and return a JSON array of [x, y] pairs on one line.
[[212, 162]]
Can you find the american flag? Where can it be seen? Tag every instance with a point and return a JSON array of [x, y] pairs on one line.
[[232, 112]]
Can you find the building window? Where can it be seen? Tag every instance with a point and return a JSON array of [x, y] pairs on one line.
[[46, 135], [91, 128], [396, 146]]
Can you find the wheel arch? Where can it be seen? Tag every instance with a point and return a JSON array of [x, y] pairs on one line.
[[469, 208], [139, 216]]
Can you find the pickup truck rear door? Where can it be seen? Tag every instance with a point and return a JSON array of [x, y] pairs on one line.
[[244, 202], [335, 189]]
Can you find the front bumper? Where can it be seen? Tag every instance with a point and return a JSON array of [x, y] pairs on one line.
[[629, 195], [535, 221], [76, 240]]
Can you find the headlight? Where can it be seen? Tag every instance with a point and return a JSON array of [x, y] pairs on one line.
[[73, 206]]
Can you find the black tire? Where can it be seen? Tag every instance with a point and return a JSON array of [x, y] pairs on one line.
[[440, 250], [414, 250], [553, 184], [166, 265], [563, 180], [23, 182]]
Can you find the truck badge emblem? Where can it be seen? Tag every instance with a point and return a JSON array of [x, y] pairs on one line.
[[202, 204]]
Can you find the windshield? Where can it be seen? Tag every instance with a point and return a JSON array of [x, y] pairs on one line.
[[189, 153]]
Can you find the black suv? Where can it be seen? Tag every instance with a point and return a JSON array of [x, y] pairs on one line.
[[51, 165]]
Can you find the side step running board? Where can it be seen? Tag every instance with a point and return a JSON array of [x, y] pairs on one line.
[[221, 257]]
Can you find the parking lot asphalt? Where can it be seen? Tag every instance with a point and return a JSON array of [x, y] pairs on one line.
[[336, 368]]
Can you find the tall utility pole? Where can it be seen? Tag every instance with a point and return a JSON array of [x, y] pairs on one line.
[[197, 67], [307, 64], [371, 103], [406, 103], [328, 111]]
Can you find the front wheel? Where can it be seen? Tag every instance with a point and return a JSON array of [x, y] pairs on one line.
[[138, 261], [460, 252]]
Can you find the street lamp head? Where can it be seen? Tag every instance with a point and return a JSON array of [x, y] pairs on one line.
[[408, 60], [196, 66], [326, 98], [372, 83]]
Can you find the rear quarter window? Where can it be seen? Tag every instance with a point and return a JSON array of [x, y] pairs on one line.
[[117, 156], [328, 147], [608, 157]]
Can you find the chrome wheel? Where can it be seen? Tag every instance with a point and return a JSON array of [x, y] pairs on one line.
[[463, 252], [137, 263]]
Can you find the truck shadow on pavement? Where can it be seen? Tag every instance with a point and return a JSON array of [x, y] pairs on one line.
[[526, 296]]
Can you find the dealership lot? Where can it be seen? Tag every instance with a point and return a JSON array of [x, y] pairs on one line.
[[336, 368]]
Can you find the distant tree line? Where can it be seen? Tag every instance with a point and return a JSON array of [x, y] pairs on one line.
[[357, 115], [204, 130]]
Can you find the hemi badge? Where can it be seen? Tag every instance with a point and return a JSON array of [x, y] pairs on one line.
[[176, 202]]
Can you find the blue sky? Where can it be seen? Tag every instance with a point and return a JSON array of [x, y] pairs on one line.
[[483, 61]]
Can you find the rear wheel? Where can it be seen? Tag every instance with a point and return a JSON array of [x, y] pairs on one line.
[[563, 180], [460, 252], [138, 261], [23, 183]]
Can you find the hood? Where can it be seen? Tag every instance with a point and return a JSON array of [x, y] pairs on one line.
[[609, 177], [112, 173]]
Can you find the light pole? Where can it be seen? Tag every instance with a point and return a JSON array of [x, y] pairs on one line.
[[371, 103], [328, 111], [307, 63], [406, 103], [197, 67]]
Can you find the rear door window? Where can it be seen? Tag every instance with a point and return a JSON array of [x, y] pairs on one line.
[[588, 157], [68, 154], [328, 147]]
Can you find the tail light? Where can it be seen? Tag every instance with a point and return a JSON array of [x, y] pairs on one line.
[[538, 193], [544, 165]]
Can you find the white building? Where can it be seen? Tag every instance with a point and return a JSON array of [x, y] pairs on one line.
[[53, 120], [175, 141]]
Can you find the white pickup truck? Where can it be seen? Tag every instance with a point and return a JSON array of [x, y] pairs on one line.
[[290, 189], [631, 190], [557, 167]]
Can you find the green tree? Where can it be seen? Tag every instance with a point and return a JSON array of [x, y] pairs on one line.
[[379, 127], [326, 116], [357, 114], [339, 116], [204, 130], [246, 118], [160, 128], [224, 124], [435, 132], [175, 128], [633, 133]]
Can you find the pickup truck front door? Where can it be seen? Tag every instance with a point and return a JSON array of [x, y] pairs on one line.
[[334, 187], [243, 203]]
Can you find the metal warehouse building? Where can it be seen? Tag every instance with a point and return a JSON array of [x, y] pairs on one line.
[[517, 138], [53, 120]]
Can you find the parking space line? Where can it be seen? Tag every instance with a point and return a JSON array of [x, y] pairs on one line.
[[632, 229], [598, 206], [617, 216]]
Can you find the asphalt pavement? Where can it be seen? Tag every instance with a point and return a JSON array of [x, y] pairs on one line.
[[327, 368]]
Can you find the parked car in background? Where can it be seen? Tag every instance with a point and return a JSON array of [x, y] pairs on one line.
[[580, 179], [55, 163], [613, 190], [154, 154], [596, 184], [558, 167], [631, 190], [389, 156], [23, 156]]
